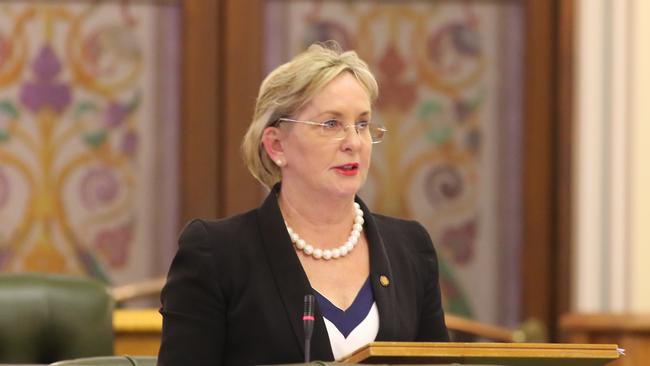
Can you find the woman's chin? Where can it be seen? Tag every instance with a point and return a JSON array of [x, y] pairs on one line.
[[347, 189]]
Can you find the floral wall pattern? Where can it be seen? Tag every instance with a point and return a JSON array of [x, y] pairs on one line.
[[438, 65], [79, 137]]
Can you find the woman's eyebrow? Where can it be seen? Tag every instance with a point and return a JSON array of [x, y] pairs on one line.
[[338, 114], [330, 113]]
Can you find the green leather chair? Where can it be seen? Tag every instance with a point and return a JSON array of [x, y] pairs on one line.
[[110, 361], [46, 318]]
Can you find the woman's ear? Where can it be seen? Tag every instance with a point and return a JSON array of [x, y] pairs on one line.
[[272, 142]]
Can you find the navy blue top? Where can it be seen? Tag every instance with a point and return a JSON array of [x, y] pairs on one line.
[[346, 320]]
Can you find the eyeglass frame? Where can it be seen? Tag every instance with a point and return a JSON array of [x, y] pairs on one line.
[[345, 126]]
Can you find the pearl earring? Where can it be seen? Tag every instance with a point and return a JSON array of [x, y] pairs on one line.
[[278, 162]]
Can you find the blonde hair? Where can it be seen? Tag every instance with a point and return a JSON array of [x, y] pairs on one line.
[[288, 88]]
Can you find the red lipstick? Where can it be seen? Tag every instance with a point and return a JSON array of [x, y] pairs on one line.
[[349, 169]]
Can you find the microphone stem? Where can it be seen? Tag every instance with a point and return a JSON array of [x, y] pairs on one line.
[[308, 323]]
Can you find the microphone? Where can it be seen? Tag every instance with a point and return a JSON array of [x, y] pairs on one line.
[[308, 323]]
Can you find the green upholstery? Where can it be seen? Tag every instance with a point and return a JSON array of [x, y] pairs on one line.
[[327, 363], [110, 361], [45, 318]]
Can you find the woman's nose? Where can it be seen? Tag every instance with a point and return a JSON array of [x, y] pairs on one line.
[[352, 135]]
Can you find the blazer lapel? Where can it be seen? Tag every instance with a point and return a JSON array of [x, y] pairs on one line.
[[290, 278], [385, 296]]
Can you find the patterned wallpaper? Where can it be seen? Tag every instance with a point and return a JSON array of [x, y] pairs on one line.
[[80, 136]]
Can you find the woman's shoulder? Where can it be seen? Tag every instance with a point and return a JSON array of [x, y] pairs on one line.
[[399, 231], [226, 231], [225, 225], [391, 223]]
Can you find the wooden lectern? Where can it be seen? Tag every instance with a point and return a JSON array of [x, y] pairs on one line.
[[507, 354]]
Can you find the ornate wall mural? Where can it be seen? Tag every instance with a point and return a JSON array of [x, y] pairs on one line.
[[79, 139], [438, 65]]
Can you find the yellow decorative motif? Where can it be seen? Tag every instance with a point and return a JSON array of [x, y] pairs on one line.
[[44, 257]]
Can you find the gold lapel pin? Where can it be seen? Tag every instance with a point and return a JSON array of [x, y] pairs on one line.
[[384, 281]]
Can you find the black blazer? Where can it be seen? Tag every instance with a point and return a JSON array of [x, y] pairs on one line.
[[235, 290]]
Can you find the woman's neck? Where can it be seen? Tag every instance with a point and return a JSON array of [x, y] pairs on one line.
[[316, 214]]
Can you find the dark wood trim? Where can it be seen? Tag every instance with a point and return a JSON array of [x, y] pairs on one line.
[[243, 62], [564, 157], [221, 73], [199, 133], [537, 170], [547, 180]]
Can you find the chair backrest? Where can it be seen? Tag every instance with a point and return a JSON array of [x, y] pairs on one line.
[[110, 361], [46, 318]]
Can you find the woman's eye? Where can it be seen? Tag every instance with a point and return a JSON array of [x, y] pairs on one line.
[[331, 124], [362, 125]]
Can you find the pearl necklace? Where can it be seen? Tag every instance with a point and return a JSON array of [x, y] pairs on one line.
[[339, 252]]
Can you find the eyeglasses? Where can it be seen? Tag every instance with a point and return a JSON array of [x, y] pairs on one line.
[[337, 130]]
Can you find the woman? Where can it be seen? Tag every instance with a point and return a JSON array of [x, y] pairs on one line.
[[234, 294]]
